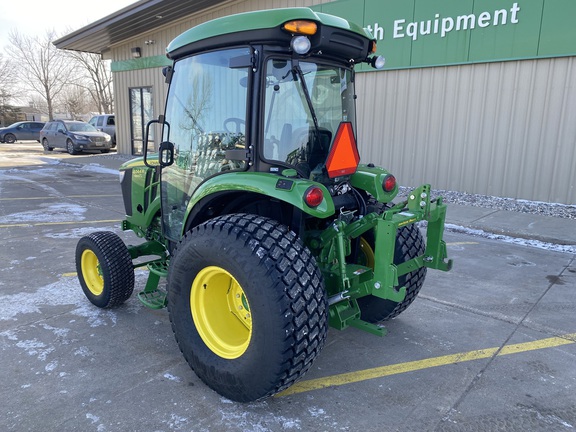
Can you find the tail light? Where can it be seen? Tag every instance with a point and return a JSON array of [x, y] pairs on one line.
[[389, 183], [313, 196]]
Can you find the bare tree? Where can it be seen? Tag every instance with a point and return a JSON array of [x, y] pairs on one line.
[[98, 77], [42, 67], [73, 100], [7, 90]]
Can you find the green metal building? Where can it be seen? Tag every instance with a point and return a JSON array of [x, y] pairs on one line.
[[477, 96]]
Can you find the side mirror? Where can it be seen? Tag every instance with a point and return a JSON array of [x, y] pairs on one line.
[[166, 156]]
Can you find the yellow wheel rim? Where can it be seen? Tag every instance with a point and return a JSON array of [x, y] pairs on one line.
[[92, 272], [367, 256], [221, 312]]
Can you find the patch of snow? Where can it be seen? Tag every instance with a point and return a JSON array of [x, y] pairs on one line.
[[260, 420], [172, 377], [51, 366], [99, 169], [66, 291], [34, 347], [316, 412], [519, 241], [92, 417], [54, 212], [176, 421], [76, 233], [83, 352]]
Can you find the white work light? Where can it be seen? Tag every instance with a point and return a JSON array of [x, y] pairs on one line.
[[300, 44], [377, 62]]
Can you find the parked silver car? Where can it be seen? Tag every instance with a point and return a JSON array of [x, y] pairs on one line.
[[21, 131], [74, 136], [105, 123]]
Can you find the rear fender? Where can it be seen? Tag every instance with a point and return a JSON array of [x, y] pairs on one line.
[[370, 179], [288, 190]]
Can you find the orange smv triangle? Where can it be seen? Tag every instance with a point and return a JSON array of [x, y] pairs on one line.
[[343, 158]]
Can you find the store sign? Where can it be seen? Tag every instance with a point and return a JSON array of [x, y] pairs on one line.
[[418, 33], [444, 25]]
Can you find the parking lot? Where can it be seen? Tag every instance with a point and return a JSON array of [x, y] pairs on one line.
[[490, 345]]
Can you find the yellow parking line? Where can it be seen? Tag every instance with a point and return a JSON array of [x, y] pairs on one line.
[[59, 223], [379, 372]]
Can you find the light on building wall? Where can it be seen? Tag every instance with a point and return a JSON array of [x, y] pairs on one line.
[[136, 52]]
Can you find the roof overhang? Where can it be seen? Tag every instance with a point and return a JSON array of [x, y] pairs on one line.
[[129, 22]]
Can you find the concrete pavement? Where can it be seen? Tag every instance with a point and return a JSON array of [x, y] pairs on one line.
[[489, 345]]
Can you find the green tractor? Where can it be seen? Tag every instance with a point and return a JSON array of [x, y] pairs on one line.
[[256, 208]]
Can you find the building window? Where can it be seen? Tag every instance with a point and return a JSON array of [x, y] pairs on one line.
[[141, 112]]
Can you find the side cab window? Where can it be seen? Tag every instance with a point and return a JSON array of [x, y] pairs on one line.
[[206, 110]]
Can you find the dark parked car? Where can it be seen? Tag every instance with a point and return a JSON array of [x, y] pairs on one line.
[[21, 131], [105, 123], [74, 136]]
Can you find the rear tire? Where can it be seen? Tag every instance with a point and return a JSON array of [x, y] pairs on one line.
[[46, 145], [104, 268], [247, 305]]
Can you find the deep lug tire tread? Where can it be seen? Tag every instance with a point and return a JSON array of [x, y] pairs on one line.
[[116, 266], [285, 281]]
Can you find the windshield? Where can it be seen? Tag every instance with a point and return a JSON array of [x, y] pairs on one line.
[[301, 118], [80, 127]]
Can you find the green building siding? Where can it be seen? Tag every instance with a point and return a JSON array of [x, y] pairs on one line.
[[420, 33]]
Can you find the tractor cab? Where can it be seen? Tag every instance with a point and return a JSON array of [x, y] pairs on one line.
[[278, 99]]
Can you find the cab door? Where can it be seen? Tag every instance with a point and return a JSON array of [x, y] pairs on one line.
[[207, 111]]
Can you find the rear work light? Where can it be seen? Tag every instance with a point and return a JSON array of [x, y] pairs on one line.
[[313, 196], [301, 27], [389, 183]]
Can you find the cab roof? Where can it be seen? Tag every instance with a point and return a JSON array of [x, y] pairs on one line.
[[254, 27]]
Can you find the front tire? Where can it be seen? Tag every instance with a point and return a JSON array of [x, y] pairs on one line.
[[104, 268], [70, 147], [247, 305], [9, 138]]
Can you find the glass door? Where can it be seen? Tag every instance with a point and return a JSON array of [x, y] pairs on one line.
[[141, 112]]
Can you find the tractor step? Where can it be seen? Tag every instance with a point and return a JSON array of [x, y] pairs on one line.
[[152, 296], [159, 267], [154, 299]]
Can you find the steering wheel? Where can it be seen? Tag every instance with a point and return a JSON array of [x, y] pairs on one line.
[[238, 123]]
